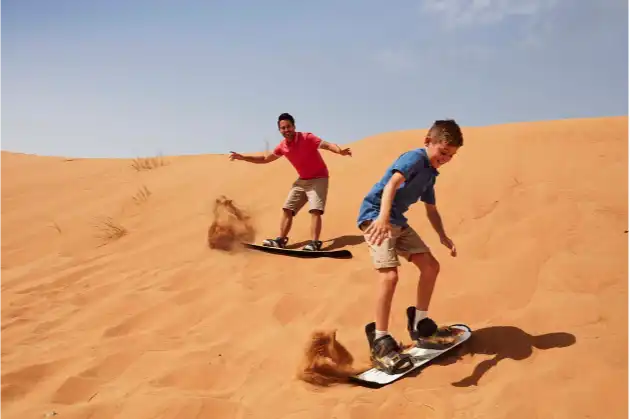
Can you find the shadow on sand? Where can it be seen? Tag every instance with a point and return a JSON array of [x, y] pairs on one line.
[[332, 244], [504, 342]]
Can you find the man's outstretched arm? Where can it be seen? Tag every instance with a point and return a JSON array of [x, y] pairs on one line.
[[254, 159], [334, 148]]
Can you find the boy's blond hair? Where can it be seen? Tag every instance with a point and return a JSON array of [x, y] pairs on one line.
[[446, 131]]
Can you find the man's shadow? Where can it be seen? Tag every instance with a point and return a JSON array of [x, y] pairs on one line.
[[504, 342], [333, 244]]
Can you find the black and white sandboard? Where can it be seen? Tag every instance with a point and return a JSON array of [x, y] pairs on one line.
[[337, 254], [420, 357]]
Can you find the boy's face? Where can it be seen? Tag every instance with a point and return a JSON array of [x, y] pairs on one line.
[[439, 152], [286, 128]]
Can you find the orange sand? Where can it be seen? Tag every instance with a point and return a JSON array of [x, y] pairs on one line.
[[152, 323]]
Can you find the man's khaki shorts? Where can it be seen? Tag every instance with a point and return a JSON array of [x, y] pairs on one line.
[[313, 191], [404, 242]]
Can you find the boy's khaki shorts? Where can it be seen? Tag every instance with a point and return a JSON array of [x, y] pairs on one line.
[[404, 242], [313, 191]]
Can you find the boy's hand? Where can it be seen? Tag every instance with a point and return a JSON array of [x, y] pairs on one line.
[[235, 156], [449, 243], [378, 231], [346, 152]]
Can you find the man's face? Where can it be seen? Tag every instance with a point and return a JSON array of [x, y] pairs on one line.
[[440, 153], [287, 129]]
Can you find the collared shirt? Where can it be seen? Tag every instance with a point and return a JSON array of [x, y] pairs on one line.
[[419, 184], [303, 153]]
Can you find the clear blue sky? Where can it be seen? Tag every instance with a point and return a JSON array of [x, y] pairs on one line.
[[115, 78]]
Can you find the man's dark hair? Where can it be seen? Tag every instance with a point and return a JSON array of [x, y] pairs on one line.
[[286, 117]]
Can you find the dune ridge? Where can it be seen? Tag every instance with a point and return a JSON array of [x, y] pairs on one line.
[[114, 304]]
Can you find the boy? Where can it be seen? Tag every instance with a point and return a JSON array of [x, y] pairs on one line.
[[381, 218], [302, 151]]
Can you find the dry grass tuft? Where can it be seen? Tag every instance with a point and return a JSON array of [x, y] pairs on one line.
[[142, 195], [56, 227], [111, 230], [148, 163]]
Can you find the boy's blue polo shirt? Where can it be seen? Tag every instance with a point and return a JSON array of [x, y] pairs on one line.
[[419, 184]]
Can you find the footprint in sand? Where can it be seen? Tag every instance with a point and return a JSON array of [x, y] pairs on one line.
[[140, 321], [76, 390], [188, 296], [67, 279], [85, 386], [49, 326], [111, 367], [17, 384], [202, 408], [215, 375], [291, 307]]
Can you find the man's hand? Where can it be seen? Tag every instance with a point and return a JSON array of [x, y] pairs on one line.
[[449, 244], [378, 231], [235, 156], [345, 152]]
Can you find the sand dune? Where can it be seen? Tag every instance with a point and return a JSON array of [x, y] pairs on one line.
[[139, 318]]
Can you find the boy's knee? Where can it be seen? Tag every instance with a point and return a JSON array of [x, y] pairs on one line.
[[389, 275], [426, 262], [433, 264], [288, 212]]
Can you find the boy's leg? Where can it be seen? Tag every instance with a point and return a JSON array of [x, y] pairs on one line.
[[385, 261], [316, 192], [422, 329], [384, 350], [388, 279], [429, 269]]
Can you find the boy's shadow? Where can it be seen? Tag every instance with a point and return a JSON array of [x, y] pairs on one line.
[[504, 342]]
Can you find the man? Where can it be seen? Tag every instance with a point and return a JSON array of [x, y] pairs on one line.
[[302, 151]]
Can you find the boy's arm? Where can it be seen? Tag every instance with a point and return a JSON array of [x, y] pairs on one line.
[[335, 148], [402, 169], [436, 221], [380, 228], [254, 159], [388, 195], [434, 218]]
